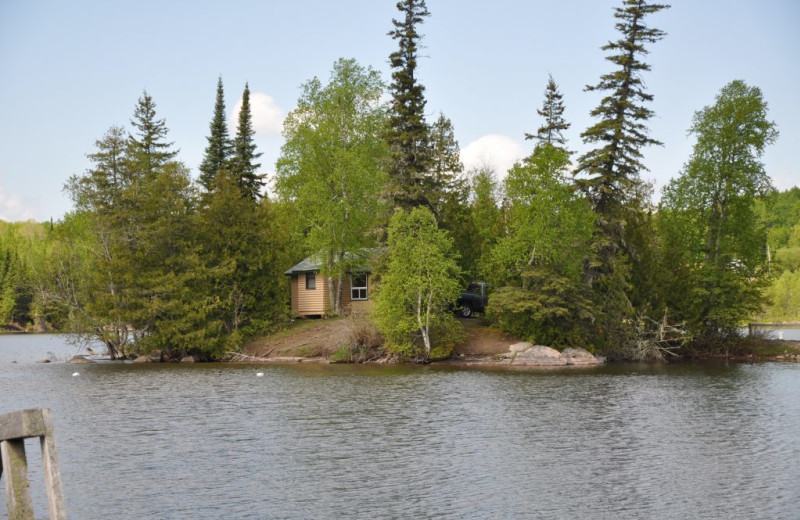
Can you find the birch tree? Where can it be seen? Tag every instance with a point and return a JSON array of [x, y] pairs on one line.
[[420, 285], [330, 166]]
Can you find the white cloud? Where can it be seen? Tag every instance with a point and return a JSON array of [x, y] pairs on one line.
[[497, 151], [267, 115], [12, 208], [784, 179]]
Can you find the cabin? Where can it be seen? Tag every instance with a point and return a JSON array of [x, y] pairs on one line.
[[311, 292]]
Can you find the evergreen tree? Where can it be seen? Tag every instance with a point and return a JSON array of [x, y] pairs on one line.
[[407, 133], [219, 147], [100, 188], [242, 164], [553, 113], [445, 153], [148, 149], [449, 189], [610, 172]]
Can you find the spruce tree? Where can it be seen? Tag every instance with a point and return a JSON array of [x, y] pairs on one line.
[[148, 148], [612, 169], [553, 113], [242, 164], [610, 173], [219, 147], [408, 134]]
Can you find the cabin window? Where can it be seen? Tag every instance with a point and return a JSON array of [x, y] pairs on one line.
[[358, 287], [311, 281]]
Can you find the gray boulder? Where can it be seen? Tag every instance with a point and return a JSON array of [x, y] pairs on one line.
[[539, 355]]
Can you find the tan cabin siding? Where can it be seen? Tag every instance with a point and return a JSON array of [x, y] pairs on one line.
[[310, 302], [316, 302], [294, 292]]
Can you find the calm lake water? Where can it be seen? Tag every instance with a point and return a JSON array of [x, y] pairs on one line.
[[211, 441]]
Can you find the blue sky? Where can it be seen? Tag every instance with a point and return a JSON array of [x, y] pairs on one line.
[[70, 70]]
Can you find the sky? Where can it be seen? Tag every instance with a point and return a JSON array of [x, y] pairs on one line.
[[70, 70]]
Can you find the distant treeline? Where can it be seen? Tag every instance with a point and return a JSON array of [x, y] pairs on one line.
[[575, 249]]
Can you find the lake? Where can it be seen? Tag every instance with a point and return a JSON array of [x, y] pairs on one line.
[[213, 441]]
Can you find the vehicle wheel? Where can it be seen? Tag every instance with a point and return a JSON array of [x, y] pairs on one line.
[[466, 310]]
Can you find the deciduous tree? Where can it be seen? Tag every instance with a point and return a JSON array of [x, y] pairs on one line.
[[331, 165], [709, 212], [419, 286]]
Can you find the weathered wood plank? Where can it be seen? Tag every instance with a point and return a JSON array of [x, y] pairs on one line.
[[15, 427], [18, 493], [52, 473], [22, 424]]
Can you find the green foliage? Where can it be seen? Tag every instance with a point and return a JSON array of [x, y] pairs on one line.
[[220, 148], [242, 163], [783, 298], [709, 219], [407, 133], [148, 150], [553, 113], [343, 354], [548, 309], [549, 225], [330, 165], [146, 264], [241, 250], [612, 169], [486, 222], [779, 211], [419, 286], [538, 266], [609, 173], [788, 258]]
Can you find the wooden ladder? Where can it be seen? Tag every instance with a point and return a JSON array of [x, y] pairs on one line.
[[15, 427]]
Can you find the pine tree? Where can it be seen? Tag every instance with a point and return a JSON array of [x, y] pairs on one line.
[[148, 150], [242, 163], [553, 113], [219, 147], [408, 133]]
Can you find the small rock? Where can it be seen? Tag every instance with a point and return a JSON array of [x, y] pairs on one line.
[[140, 359], [579, 356], [188, 359], [155, 357], [79, 360], [43, 361]]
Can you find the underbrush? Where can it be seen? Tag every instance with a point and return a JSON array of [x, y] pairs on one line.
[[363, 342]]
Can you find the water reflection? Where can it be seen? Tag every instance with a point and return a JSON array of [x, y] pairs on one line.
[[314, 441]]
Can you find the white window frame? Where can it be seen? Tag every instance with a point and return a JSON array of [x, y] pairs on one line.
[[314, 276], [362, 291]]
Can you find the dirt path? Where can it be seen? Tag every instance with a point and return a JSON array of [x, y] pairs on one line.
[[304, 338], [482, 340], [319, 338]]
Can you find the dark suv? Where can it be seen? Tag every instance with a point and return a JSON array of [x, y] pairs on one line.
[[473, 300]]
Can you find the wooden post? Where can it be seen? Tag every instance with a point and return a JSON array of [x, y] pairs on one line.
[[15, 427]]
